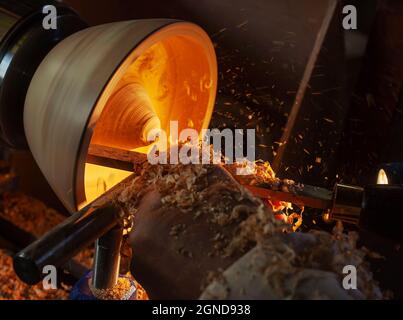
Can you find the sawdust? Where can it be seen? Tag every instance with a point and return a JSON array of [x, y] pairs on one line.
[[252, 222], [323, 251], [264, 176], [258, 225], [11, 288], [335, 251], [117, 292], [29, 214], [225, 203], [178, 185]]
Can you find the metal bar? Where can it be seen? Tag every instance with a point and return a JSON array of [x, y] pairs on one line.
[[107, 259]]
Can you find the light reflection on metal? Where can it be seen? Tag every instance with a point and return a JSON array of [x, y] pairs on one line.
[[382, 177]]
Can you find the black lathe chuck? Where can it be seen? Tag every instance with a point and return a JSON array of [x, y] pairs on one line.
[[23, 45]]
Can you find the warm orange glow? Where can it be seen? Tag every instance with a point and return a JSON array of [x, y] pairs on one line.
[[171, 81], [98, 179], [382, 177], [282, 210]]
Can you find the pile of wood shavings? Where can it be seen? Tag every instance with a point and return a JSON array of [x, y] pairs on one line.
[[265, 176], [297, 266], [29, 214], [11, 288], [179, 185], [317, 251], [186, 187], [34, 217], [117, 292]]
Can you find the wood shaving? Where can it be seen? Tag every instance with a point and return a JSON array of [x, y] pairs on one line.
[[253, 223], [117, 292], [29, 214], [298, 266]]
